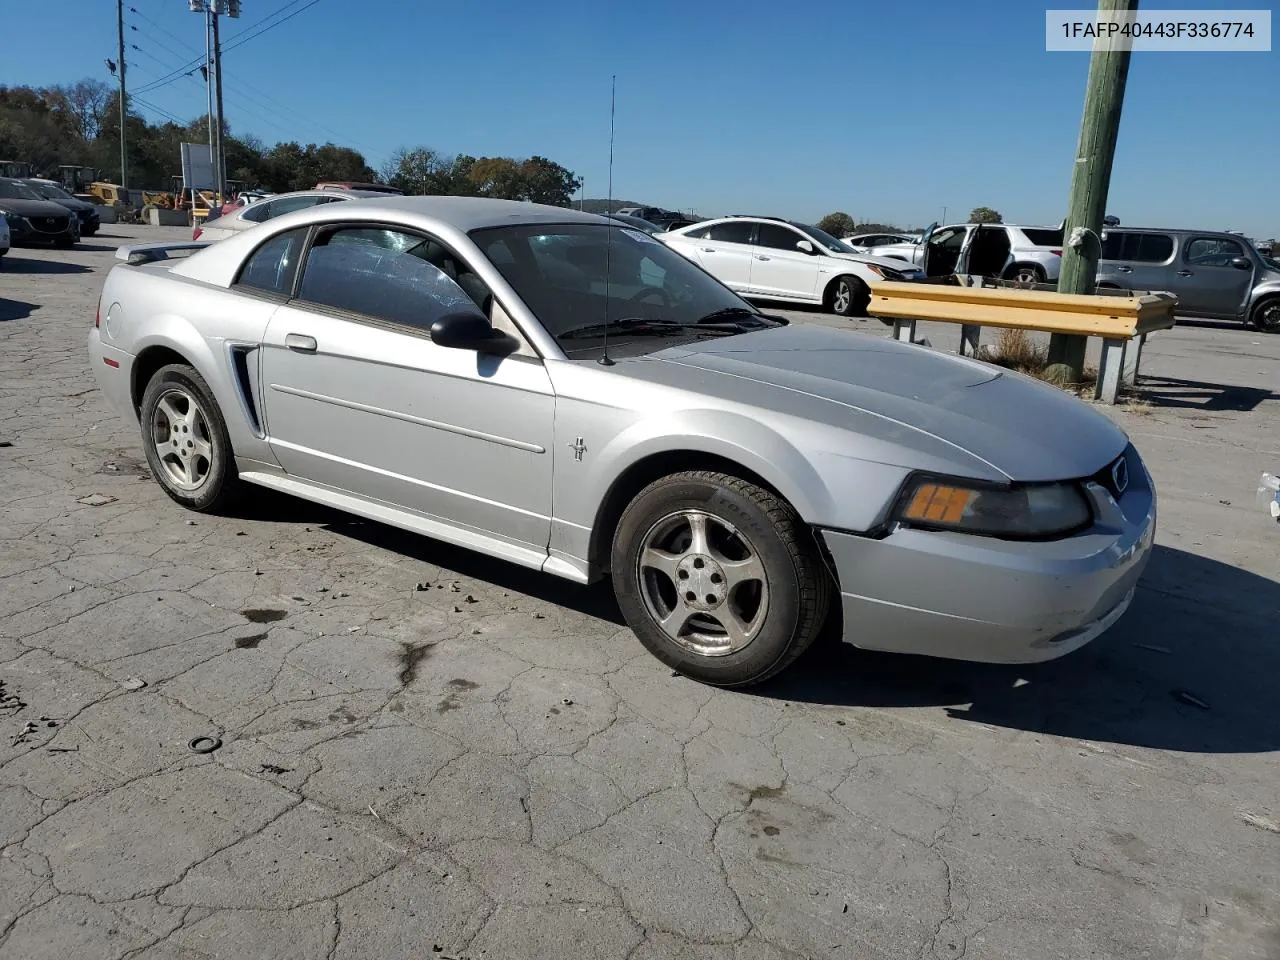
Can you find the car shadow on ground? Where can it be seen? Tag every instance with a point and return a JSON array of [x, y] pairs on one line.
[[596, 600], [1194, 665], [12, 264], [16, 309], [1197, 395], [83, 247]]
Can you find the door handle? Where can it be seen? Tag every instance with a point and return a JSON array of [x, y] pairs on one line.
[[708, 249], [1184, 273], [300, 342], [758, 257], [1124, 269]]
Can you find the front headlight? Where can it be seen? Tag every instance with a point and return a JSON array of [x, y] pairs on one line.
[[15, 221], [1027, 510], [885, 273]]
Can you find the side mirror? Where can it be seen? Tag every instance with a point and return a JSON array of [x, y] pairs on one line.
[[1242, 263], [804, 246], [470, 331]]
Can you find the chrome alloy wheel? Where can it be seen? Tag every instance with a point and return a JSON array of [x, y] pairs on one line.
[[703, 583], [180, 432]]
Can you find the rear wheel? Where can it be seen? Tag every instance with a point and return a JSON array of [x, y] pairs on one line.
[[848, 297], [1266, 316], [1025, 273], [185, 440], [718, 578]]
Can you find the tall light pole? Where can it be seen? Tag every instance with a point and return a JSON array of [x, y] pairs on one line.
[[124, 156]]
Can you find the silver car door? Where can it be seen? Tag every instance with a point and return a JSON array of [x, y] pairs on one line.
[[359, 398], [1214, 276]]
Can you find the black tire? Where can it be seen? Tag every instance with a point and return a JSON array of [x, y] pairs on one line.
[[220, 483], [850, 302], [1025, 272], [795, 591], [1265, 316]]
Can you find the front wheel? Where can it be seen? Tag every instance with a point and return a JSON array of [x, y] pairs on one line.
[[849, 297], [718, 578], [185, 440], [1266, 316]]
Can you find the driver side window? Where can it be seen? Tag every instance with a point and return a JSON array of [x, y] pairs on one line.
[[385, 275], [778, 237]]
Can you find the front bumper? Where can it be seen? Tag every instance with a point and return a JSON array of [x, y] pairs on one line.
[[996, 601], [22, 230]]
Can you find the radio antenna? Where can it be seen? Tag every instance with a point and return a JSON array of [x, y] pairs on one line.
[[608, 248]]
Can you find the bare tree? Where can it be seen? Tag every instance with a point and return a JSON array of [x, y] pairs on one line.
[[87, 102]]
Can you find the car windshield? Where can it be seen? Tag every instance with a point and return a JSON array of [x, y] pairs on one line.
[[822, 238], [583, 280], [17, 191], [51, 192]]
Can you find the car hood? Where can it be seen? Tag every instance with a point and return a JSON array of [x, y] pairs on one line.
[[889, 262], [32, 208], [906, 394], [71, 203]]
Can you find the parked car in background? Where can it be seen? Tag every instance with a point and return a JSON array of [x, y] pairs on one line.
[[638, 223], [85, 211], [774, 259], [666, 219], [380, 188], [273, 206], [33, 219], [1001, 250], [4, 235], [868, 242], [433, 363], [1213, 274]]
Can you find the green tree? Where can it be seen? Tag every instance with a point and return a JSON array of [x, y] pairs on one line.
[[985, 215], [838, 224]]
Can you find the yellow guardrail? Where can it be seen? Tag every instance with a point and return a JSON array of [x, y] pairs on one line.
[[1122, 321]]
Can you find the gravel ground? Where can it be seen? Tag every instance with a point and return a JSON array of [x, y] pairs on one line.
[[428, 753]]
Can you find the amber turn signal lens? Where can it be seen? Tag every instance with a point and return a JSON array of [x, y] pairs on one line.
[[938, 503]]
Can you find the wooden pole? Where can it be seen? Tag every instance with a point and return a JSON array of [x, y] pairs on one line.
[[220, 158], [1090, 181]]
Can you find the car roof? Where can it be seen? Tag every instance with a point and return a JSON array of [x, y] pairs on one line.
[[450, 218]]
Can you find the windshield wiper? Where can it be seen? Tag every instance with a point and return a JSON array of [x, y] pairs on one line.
[[637, 327], [715, 315]]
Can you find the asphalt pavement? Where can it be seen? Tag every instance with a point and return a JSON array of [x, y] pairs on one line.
[[420, 752]]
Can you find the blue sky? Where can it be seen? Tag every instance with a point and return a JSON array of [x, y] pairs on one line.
[[889, 111]]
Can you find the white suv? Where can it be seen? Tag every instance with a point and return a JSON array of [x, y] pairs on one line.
[[1003, 250], [771, 259]]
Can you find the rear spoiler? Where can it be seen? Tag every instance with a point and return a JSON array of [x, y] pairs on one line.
[[137, 254]]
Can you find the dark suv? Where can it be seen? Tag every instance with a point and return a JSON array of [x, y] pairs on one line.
[[87, 212], [33, 219], [1212, 273]]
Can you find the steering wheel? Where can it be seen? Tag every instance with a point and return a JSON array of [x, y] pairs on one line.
[[667, 300]]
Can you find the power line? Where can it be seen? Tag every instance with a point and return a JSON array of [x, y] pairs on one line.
[[262, 100], [236, 40]]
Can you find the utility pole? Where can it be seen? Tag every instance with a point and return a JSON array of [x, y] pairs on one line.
[[1090, 181], [124, 155], [208, 81], [220, 164]]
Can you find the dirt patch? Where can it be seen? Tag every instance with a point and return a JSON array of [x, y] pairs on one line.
[[409, 658]]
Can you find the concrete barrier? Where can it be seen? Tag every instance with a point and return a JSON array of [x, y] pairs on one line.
[[106, 214], [160, 217]]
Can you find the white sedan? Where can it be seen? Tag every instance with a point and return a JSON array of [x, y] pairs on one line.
[[771, 259], [276, 205]]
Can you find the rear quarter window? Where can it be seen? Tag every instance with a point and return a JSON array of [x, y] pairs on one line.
[[1137, 247], [1043, 237], [271, 267]]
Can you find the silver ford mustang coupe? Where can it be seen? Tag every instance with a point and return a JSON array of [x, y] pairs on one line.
[[563, 392]]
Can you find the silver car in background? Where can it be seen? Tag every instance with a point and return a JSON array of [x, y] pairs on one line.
[[275, 205], [563, 392], [1213, 274]]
